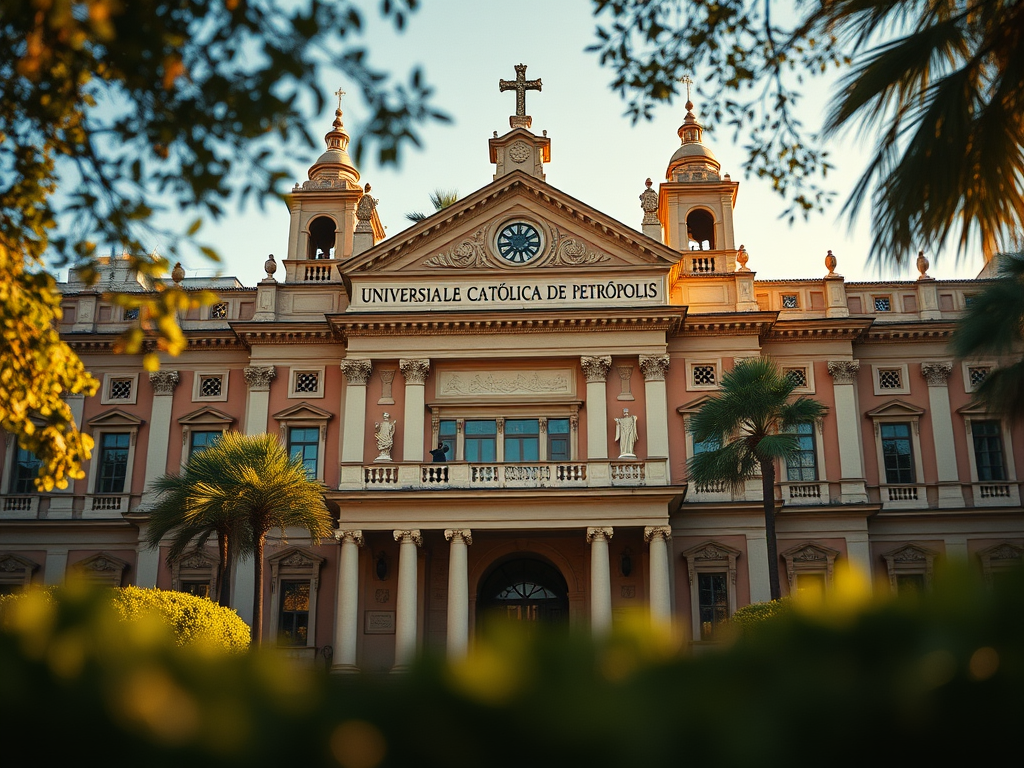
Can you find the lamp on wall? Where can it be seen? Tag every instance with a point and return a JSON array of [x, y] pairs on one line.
[[381, 566], [626, 562]]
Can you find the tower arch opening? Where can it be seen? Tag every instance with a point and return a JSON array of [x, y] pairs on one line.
[[322, 234], [700, 230]]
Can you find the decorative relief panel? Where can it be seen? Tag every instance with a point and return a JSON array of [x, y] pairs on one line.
[[505, 383], [469, 253]]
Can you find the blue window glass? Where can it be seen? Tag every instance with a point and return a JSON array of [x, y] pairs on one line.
[[803, 466], [113, 458], [522, 440], [304, 442], [26, 468], [199, 441], [481, 440], [988, 450], [897, 453], [558, 440], [446, 435]]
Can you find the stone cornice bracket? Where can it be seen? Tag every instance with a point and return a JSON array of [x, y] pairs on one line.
[[596, 368], [652, 532], [843, 371], [599, 533], [258, 378], [357, 372], [415, 371], [937, 374], [164, 382], [413, 536], [654, 367], [354, 536], [459, 533]]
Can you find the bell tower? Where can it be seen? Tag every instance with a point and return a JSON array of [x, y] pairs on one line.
[[324, 208], [695, 205]]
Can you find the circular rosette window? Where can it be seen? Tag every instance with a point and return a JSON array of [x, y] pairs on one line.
[[518, 242]]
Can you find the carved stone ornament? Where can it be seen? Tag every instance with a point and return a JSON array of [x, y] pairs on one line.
[[356, 537], [570, 252], [465, 534], [1004, 551], [297, 560], [325, 183], [596, 368], [164, 382], [519, 152], [468, 253], [413, 536], [649, 204], [936, 374], [356, 371], [910, 555], [415, 371], [654, 367], [384, 434], [843, 371], [258, 378], [364, 211], [710, 552], [652, 532], [468, 383], [195, 561], [599, 533], [387, 377]]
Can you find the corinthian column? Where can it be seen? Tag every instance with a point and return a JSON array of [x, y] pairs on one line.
[[458, 592], [661, 601], [851, 455], [357, 373], [653, 368], [600, 580], [951, 494], [415, 373], [596, 370], [257, 413], [163, 383], [405, 619], [346, 620]]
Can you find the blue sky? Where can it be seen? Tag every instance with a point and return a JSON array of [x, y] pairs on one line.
[[597, 154]]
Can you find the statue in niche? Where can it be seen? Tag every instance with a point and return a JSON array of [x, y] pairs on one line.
[[385, 434], [625, 434]]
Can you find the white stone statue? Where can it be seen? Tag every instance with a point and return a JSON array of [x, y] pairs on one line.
[[625, 434], [385, 434]]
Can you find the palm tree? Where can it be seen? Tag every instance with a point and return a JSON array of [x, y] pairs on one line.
[[993, 326], [440, 199], [753, 422], [249, 485]]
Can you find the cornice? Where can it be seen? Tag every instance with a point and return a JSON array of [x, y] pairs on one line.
[[729, 324], [831, 329], [251, 333], [937, 330], [662, 318], [667, 492]]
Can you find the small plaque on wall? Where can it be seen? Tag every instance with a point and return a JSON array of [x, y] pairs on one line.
[[380, 622]]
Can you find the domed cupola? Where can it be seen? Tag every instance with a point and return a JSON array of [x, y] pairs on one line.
[[693, 161], [335, 165]]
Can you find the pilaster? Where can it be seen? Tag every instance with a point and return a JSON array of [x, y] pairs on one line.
[[595, 369], [257, 412], [951, 493], [415, 373], [357, 374], [163, 383], [851, 455], [656, 396]]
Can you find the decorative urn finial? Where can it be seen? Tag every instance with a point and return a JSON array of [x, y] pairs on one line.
[[270, 266], [742, 257], [178, 273], [830, 264], [922, 266]]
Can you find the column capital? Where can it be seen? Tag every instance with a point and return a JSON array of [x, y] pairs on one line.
[[652, 532], [451, 534], [843, 371], [164, 382], [654, 367], [599, 533], [937, 373], [413, 536], [415, 371], [596, 368], [357, 372], [258, 378], [355, 537]]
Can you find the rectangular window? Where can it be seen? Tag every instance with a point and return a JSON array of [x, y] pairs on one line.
[[197, 588], [897, 453], [890, 378], [113, 462], [481, 440], [558, 440], [293, 627], [810, 585], [713, 594], [711, 444], [307, 381], [910, 583], [803, 466], [790, 301], [199, 441], [522, 440], [988, 450], [120, 389], [704, 376], [304, 442], [883, 304], [26, 469], [798, 376], [446, 435]]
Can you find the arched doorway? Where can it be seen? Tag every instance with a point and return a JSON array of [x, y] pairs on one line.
[[523, 588]]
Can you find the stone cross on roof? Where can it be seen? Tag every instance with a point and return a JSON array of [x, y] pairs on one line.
[[339, 93], [520, 85]]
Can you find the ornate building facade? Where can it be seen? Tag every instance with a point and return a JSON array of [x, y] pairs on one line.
[[495, 401]]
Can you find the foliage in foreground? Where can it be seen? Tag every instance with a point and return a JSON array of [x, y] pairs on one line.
[[755, 614], [847, 680], [191, 620]]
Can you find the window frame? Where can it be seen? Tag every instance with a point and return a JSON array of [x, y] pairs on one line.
[[810, 558], [17, 571], [202, 420], [197, 391], [113, 421], [709, 557], [306, 416], [965, 368], [692, 386], [991, 493], [108, 381], [295, 371], [898, 411], [999, 558], [102, 568], [294, 564], [460, 414], [876, 371], [909, 559], [195, 565]]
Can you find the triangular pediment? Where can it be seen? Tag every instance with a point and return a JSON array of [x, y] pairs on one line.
[[207, 416], [690, 408], [303, 412], [115, 418], [463, 238], [896, 408]]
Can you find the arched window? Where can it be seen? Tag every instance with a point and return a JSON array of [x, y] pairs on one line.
[[322, 231], [700, 230], [524, 589]]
